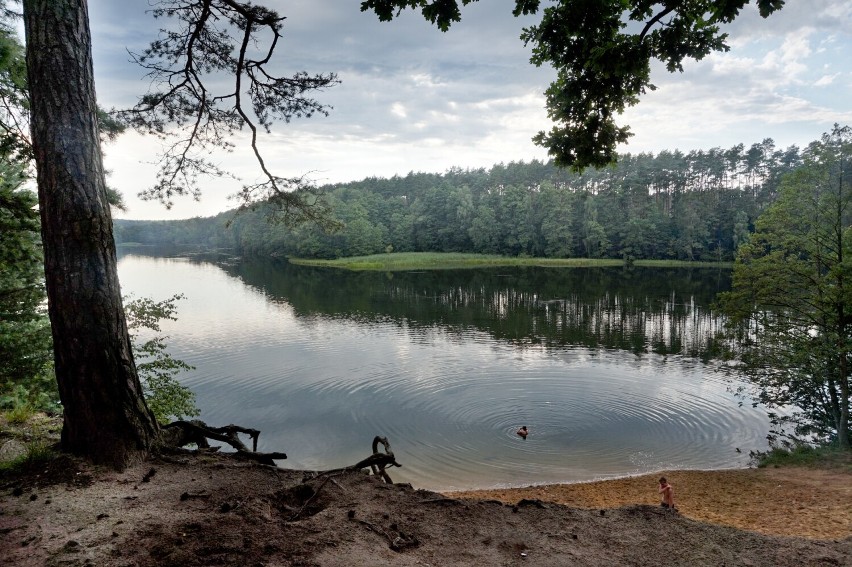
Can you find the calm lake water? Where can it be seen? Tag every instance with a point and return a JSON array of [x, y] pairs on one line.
[[603, 365]]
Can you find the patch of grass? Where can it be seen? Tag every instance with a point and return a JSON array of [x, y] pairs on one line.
[[20, 414], [37, 427], [38, 454], [399, 261], [365, 266], [826, 456]]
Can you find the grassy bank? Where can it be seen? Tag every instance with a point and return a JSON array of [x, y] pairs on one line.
[[442, 261], [824, 457]]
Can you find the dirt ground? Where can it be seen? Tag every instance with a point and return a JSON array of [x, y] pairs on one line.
[[213, 510]]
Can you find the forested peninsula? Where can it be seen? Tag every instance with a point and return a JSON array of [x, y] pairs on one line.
[[695, 206]]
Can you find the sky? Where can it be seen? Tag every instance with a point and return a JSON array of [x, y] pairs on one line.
[[414, 99]]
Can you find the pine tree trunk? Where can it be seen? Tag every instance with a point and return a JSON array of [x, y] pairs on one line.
[[105, 416]]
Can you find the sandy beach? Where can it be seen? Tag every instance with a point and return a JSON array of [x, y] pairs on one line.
[[788, 501]]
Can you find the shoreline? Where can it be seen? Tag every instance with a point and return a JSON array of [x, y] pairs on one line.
[[614, 477]]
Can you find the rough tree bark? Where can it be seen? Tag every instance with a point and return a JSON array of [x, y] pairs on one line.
[[105, 416]]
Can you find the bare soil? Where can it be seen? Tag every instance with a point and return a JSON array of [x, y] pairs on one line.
[[206, 510]]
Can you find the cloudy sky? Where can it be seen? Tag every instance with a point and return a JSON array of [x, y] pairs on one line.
[[414, 99]]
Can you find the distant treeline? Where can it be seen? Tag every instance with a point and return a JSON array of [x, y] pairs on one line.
[[687, 206]]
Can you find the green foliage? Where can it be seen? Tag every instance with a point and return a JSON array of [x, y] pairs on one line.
[[695, 206], [15, 106], [803, 454], [25, 342], [601, 51], [26, 376], [35, 393], [158, 370], [791, 302], [27, 382], [14, 101], [165, 396]]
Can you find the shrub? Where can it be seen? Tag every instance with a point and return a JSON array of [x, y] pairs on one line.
[[166, 397]]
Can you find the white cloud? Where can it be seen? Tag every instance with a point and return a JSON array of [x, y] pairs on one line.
[[415, 99], [398, 109], [789, 60], [826, 80], [425, 80]]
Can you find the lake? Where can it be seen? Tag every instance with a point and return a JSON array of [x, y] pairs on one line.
[[607, 367]]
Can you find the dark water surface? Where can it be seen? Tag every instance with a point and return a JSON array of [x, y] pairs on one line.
[[603, 365]]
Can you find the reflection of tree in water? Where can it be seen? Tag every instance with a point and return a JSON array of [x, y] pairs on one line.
[[642, 310]]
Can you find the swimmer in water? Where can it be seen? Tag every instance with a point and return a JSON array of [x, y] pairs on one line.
[[523, 431]]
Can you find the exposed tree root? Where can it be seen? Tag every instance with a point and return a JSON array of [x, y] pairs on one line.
[[180, 433], [398, 543], [304, 507], [377, 462]]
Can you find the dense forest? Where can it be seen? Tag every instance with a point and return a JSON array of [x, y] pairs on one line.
[[685, 206]]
